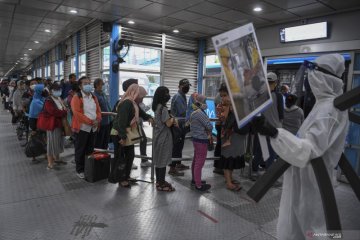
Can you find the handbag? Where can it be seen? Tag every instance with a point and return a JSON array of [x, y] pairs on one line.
[[66, 127], [133, 135], [45, 122], [36, 146]]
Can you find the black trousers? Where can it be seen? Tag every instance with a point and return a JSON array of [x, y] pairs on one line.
[[103, 137], [122, 162], [143, 144], [178, 144], [160, 174], [84, 145]]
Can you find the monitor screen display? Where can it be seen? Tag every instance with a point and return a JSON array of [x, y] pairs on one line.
[[304, 32]]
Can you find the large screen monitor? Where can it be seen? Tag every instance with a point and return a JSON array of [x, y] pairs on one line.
[[304, 32]]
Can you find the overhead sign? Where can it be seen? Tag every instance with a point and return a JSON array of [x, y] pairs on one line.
[[304, 32]]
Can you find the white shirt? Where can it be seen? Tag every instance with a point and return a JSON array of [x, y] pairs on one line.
[[89, 111]]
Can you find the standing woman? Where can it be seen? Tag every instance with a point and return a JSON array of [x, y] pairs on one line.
[[233, 142], [127, 116], [162, 139], [55, 108]]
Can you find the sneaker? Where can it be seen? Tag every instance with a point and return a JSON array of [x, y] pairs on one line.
[[181, 167], [193, 183], [80, 175], [175, 173], [134, 166], [146, 164], [203, 187]]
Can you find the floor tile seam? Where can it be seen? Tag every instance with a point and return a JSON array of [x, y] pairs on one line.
[[34, 198], [255, 230]]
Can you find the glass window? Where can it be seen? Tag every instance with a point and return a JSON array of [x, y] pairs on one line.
[[82, 64], [48, 73], [73, 68], [212, 76], [59, 70], [141, 58], [106, 58], [150, 81]]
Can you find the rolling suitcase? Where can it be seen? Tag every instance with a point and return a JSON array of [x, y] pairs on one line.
[[97, 167]]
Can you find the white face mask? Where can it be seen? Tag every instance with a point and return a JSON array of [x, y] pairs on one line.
[[32, 87], [11, 88]]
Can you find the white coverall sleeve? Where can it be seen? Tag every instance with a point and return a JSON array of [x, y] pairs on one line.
[[299, 151]]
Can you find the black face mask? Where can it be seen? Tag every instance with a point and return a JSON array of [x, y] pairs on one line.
[[167, 97], [185, 89]]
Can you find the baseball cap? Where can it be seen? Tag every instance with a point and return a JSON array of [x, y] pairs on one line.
[[183, 82], [271, 77]]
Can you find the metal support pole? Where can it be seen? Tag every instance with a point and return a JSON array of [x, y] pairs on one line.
[[152, 162], [77, 50], [114, 76], [201, 53]]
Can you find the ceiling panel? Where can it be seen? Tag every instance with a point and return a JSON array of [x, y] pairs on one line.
[[83, 4], [30, 11], [115, 9], [285, 4], [103, 16], [27, 24], [158, 10], [346, 4], [179, 3], [169, 21], [231, 16], [27, 18], [6, 7], [9, 1], [186, 15], [60, 16], [279, 16], [207, 8], [213, 22], [55, 21], [311, 9], [67, 9], [134, 4], [39, 4]]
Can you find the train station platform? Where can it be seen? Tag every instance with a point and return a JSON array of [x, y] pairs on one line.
[[36, 203]]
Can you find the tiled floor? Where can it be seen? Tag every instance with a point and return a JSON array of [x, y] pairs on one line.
[[39, 204]]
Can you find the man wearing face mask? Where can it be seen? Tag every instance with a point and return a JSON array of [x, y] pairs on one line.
[[178, 110], [85, 123], [322, 134], [102, 138], [17, 103]]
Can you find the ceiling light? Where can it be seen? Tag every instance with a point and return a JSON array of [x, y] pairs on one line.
[[73, 11], [36, 41], [257, 9], [25, 54], [131, 22], [16, 63], [176, 31], [30, 49], [21, 58], [47, 30]]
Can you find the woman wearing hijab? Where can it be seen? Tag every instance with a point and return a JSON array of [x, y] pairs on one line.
[[127, 116]]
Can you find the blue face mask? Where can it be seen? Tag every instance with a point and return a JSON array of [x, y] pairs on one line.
[[56, 93], [87, 88]]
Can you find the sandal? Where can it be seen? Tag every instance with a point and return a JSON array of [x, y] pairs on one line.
[[125, 184], [60, 162], [236, 188], [235, 182], [132, 180], [165, 187]]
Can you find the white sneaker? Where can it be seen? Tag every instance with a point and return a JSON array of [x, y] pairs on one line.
[[80, 175], [134, 166], [146, 164]]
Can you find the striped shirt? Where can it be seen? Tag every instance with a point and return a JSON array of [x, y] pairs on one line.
[[200, 125]]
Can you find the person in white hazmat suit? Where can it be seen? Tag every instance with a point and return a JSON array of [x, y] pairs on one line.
[[322, 134]]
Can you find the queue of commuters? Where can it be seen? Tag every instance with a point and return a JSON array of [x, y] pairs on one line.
[[80, 104]]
